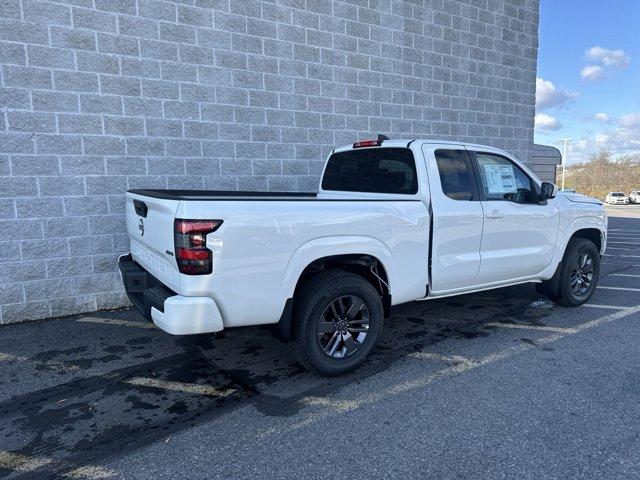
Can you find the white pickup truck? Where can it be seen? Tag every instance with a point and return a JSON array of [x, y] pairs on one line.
[[394, 221]]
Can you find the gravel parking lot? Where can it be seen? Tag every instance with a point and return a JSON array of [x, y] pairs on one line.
[[502, 384]]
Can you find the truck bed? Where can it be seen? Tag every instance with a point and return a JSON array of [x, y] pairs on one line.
[[222, 195]]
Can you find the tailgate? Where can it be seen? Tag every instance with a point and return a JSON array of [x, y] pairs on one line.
[[150, 228]]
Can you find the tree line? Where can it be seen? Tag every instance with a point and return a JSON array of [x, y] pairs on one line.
[[603, 174]]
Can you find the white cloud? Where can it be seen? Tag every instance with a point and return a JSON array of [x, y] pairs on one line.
[[602, 117], [630, 121], [611, 58], [593, 73], [546, 123], [620, 138], [547, 95]]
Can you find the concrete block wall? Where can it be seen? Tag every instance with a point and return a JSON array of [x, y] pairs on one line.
[[99, 96]]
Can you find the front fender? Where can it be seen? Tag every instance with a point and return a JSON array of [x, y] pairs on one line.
[[329, 246], [583, 222]]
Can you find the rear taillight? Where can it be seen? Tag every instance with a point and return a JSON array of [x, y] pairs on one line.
[[192, 254]]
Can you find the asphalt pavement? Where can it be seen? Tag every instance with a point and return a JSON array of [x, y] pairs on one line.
[[501, 384]]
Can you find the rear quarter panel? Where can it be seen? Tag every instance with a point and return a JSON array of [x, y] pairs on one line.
[[263, 246]]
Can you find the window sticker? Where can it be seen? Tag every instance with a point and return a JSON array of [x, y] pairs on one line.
[[500, 178]]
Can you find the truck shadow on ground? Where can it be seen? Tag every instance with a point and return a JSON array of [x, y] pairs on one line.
[[90, 419]]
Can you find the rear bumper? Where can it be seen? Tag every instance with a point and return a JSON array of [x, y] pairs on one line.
[[188, 316], [175, 314]]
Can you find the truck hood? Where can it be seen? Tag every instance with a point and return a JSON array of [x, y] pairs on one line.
[[578, 198]]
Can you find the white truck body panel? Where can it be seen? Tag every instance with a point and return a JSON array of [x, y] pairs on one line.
[[264, 244], [258, 257], [457, 233]]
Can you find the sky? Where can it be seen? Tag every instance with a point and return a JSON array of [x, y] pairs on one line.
[[588, 82]]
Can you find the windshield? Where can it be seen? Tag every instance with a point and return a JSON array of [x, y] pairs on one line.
[[617, 194]]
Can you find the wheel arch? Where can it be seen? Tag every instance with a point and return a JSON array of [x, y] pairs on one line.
[[593, 234], [363, 256], [590, 227], [334, 251], [551, 285], [363, 265]]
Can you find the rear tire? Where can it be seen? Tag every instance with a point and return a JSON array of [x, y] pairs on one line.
[[337, 321], [579, 274]]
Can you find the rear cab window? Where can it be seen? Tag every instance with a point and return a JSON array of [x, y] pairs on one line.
[[374, 170]]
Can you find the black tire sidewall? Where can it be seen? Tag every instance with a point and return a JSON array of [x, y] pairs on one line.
[[575, 248], [310, 315]]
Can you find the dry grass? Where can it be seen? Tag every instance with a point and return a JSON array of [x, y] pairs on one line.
[[602, 175]]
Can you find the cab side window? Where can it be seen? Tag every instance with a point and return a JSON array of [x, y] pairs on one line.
[[503, 180], [455, 174]]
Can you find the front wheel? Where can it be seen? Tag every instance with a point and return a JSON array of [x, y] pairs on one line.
[[579, 273], [338, 319]]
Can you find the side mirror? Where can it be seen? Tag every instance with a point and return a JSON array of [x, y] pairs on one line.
[[547, 191]]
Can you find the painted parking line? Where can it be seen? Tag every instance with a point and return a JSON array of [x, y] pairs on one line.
[[542, 328], [115, 321], [620, 255], [623, 275], [596, 305], [450, 359], [193, 388], [327, 402], [90, 472], [622, 289], [421, 382], [30, 464], [619, 248], [61, 367], [22, 463]]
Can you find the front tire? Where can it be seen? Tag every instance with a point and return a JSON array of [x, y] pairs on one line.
[[338, 319], [579, 274]]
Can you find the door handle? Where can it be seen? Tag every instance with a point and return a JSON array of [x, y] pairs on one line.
[[494, 214]]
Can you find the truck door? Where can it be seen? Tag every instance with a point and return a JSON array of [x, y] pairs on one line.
[[519, 234], [457, 218]]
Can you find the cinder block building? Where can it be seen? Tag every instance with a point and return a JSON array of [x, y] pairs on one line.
[[101, 96]]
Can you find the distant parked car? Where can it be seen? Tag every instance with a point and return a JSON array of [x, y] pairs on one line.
[[616, 198], [634, 196], [568, 190]]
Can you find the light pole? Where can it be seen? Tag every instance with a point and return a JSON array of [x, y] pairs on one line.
[[564, 157]]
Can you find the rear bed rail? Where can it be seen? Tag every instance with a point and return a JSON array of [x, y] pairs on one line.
[[219, 194]]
